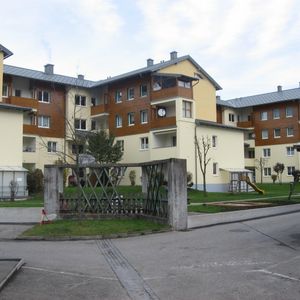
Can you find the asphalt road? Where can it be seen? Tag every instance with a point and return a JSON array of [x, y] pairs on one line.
[[257, 259]]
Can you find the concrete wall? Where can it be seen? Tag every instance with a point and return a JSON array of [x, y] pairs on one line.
[[11, 137]]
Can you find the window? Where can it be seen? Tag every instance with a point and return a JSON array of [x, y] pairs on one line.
[[290, 151], [265, 134], [118, 121], [80, 124], [276, 113], [43, 96], [174, 141], [144, 143], [121, 144], [130, 93], [44, 121], [130, 119], [251, 153], [18, 93], [184, 84], [93, 101], [143, 90], [77, 149], [80, 100], [186, 109], [266, 152], [289, 112], [52, 146], [231, 117], [215, 169], [144, 116], [277, 133], [290, 131], [214, 141], [5, 90], [267, 172], [93, 125], [264, 116], [290, 171], [118, 96], [251, 136]]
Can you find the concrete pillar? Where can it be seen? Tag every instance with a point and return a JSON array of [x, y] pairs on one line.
[[177, 194], [144, 180], [53, 186]]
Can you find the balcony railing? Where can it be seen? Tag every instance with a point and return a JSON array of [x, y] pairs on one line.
[[25, 102], [99, 109], [245, 124], [30, 129], [172, 92], [163, 122]]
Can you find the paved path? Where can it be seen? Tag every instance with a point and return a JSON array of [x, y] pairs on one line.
[[20, 215]]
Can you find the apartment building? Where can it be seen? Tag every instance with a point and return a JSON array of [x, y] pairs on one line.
[[154, 112], [272, 123]]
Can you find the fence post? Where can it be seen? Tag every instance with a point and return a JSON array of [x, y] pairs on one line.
[[53, 186], [144, 180], [177, 194]]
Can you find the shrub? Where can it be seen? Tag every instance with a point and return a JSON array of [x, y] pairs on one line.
[[274, 177], [132, 177], [35, 181], [189, 178]]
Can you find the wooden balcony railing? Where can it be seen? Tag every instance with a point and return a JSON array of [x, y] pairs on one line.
[[30, 129], [245, 124], [99, 109], [172, 92], [163, 122], [24, 102]]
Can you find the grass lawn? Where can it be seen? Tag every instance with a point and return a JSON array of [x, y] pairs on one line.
[[93, 227], [34, 201]]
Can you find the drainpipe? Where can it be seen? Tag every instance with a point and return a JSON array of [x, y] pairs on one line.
[[195, 149]]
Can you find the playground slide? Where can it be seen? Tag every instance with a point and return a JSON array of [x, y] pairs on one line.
[[254, 186]]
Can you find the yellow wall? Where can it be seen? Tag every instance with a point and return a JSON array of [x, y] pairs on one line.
[[1, 74], [11, 138], [204, 91]]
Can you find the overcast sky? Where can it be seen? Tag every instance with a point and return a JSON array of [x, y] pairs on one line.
[[247, 46]]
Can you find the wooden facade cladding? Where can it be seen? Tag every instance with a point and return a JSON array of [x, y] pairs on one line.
[[219, 114], [245, 124], [281, 123], [172, 92], [99, 109], [163, 122], [24, 102]]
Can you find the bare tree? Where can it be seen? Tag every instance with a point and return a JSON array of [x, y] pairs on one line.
[[261, 163], [203, 146]]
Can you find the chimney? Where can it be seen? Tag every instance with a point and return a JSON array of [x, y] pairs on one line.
[[49, 69], [173, 55], [149, 62], [279, 88], [80, 76]]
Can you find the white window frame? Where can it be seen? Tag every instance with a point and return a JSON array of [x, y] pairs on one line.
[[267, 171], [144, 143], [118, 96], [215, 169], [130, 93], [121, 143], [42, 93], [144, 116], [187, 109], [130, 119], [43, 121], [143, 94], [81, 123], [80, 100], [289, 112], [290, 170], [287, 131], [118, 121], [275, 133], [275, 115], [263, 115], [266, 152], [231, 117], [290, 151], [51, 147], [267, 134]]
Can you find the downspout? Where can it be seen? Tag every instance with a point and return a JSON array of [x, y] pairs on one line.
[[195, 149]]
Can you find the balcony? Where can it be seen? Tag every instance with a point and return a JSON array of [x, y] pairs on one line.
[[172, 92], [245, 124], [163, 153], [24, 102], [163, 122], [30, 129], [99, 109], [249, 162]]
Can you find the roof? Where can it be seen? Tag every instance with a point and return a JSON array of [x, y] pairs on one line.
[[236, 170], [215, 124], [12, 169], [74, 81], [13, 107], [261, 99], [5, 51]]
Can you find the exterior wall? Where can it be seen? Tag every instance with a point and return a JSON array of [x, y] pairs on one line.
[[204, 92], [278, 154], [1, 74], [11, 138]]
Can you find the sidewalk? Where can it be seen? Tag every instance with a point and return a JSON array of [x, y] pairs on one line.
[[8, 267], [207, 220], [20, 215]]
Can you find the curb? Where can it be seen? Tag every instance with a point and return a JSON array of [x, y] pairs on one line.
[[12, 272], [90, 237]]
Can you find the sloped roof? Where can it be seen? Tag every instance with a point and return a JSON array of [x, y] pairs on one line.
[[73, 81], [261, 99], [5, 51], [13, 107]]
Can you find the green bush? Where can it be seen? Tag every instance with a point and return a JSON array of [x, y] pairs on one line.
[[35, 181]]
